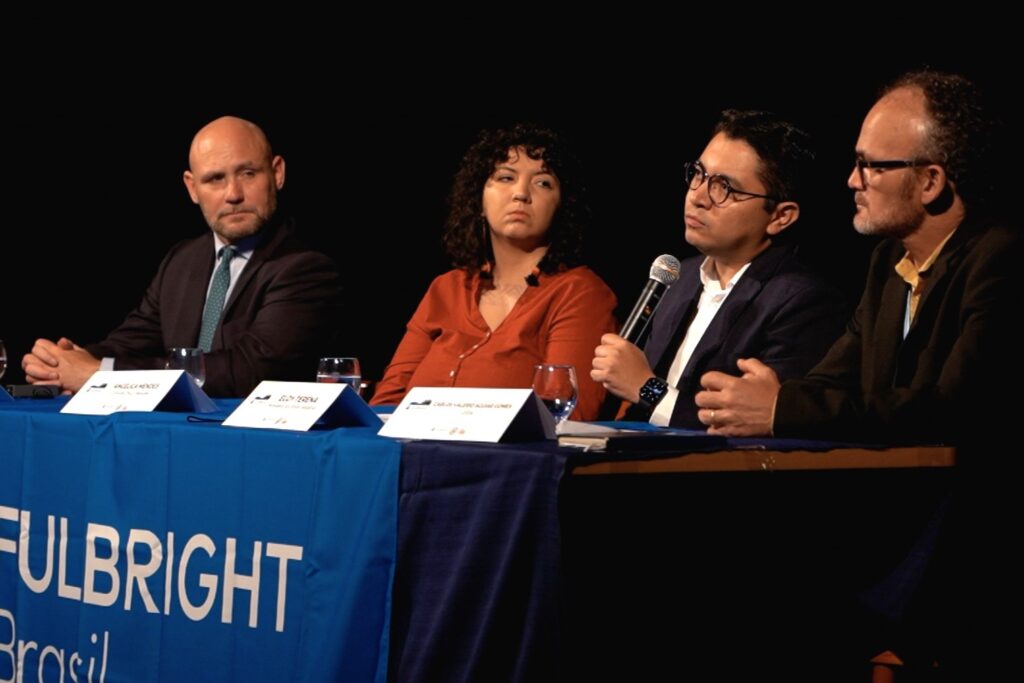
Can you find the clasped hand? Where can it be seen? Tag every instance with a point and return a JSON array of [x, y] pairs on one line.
[[64, 364]]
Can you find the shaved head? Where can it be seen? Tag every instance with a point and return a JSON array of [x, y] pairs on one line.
[[228, 127]]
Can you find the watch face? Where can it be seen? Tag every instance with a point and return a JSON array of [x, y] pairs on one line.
[[653, 391]]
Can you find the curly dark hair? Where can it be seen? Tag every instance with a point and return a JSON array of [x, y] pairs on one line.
[[961, 135], [787, 160], [467, 235]]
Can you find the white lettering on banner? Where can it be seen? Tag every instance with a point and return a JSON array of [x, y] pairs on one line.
[[94, 563], [17, 652], [284, 553], [64, 589], [102, 582], [8, 514], [136, 574], [207, 581], [233, 581], [35, 585], [56, 654], [169, 574]]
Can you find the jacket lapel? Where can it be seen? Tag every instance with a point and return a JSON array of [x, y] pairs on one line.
[[762, 268], [939, 271], [888, 332], [673, 317], [193, 297], [934, 291], [259, 256], [743, 293]]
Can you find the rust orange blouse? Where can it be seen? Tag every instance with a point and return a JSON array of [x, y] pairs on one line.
[[447, 343]]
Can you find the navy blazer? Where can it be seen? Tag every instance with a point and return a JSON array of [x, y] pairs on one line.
[[284, 311], [779, 313]]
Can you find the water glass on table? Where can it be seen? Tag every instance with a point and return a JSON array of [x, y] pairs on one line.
[[557, 388], [339, 369], [190, 359]]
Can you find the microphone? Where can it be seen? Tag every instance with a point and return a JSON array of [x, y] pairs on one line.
[[664, 273]]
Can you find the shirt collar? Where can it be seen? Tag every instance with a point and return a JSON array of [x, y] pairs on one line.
[[243, 248], [910, 273], [708, 274]]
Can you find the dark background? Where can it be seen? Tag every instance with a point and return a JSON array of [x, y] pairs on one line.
[[95, 197]]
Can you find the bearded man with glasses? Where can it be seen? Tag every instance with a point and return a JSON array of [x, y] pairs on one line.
[[747, 294], [930, 356]]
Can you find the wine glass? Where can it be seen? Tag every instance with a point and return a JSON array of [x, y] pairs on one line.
[[557, 388], [333, 370], [3, 358], [189, 359]]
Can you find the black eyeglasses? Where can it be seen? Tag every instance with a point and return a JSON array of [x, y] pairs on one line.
[[861, 164], [719, 188]]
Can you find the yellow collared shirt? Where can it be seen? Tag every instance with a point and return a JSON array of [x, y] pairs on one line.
[[916, 277]]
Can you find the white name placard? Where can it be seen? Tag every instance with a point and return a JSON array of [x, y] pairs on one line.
[[470, 414], [116, 391], [298, 406]]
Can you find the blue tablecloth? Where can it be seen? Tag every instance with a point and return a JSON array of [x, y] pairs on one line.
[[503, 568], [477, 592], [144, 547]]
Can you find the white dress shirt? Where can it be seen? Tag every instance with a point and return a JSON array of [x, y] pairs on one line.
[[711, 299]]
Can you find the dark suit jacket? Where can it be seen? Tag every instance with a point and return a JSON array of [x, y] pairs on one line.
[[778, 312], [955, 378], [283, 312], [945, 376]]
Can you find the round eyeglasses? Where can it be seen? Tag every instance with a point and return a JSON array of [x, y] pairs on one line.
[[719, 187]]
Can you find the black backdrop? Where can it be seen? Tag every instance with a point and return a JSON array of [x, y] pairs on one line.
[[95, 197]]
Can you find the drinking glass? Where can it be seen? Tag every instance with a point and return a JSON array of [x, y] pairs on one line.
[[3, 358], [340, 369], [556, 386], [189, 359]]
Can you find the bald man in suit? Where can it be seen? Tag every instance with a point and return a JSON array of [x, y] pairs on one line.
[[281, 306]]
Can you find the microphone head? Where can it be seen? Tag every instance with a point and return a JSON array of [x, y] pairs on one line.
[[665, 270]]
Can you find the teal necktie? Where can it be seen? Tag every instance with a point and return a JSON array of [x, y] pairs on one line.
[[215, 299]]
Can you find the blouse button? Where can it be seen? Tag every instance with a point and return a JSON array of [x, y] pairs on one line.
[[451, 374]]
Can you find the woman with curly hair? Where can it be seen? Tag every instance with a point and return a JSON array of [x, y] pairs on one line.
[[517, 295]]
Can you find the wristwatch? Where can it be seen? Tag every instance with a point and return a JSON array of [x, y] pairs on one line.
[[652, 392]]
